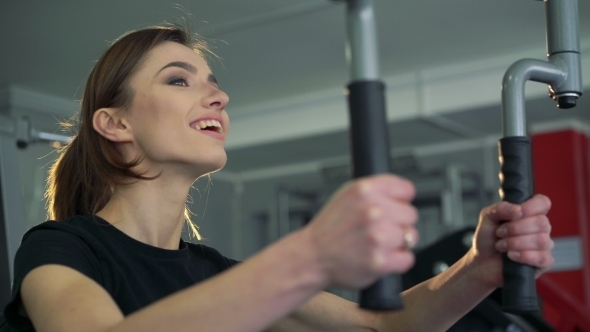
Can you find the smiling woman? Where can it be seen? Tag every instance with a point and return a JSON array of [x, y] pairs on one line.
[[152, 121], [94, 160], [178, 91]]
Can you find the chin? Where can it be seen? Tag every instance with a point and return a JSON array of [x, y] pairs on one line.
[[212, 165]]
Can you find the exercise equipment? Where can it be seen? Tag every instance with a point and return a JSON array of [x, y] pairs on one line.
[[15, 133], [562, 73], [368, 127], [487, 316]]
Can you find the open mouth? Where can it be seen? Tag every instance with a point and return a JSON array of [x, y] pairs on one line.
[[209, 125]]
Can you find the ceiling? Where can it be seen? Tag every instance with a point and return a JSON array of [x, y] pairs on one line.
[[272, 50]]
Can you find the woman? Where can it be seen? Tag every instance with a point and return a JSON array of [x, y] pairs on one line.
[[152, 121]]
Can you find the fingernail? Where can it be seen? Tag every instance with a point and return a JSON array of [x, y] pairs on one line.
[[517, 211], [502, 231], [513, 254], [501, 245]]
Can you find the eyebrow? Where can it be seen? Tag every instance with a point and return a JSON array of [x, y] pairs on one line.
[[181, 64], [188, 67]]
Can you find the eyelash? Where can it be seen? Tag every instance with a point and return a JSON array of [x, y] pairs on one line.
[[175, 80]]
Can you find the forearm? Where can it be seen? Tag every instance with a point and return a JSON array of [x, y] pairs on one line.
[[249, 297], [437, 303], [327, 312]]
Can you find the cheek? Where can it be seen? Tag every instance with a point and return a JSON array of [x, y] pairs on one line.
[[144, 118], [149, 107], [151, 112]]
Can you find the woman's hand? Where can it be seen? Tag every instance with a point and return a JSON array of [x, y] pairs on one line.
[[524, 236], [362, 233]]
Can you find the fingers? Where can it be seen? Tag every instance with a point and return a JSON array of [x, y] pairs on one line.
[[391, 225], [532, 232], [531, 249], [538, 241], [391, 254], [383, 197], [400, 261], [529, 225], [392, 235], [538, 204], [526, 239], [395, 237], [504, 211], [404, 214], [541, 260], [389, 247], [388, 185], [374, 221], [501, 212]]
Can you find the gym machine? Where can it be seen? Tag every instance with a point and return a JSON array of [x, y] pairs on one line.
[[368, 128], [370, 141], [562, 72], [15, 133]]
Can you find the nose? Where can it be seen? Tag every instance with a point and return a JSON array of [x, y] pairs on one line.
[[216, 99]]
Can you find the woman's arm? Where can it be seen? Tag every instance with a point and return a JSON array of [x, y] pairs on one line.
[[436, 304], [248, 297], [355, 239], [327, 312]]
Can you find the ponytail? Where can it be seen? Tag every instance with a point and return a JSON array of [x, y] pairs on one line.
[[80, 181], [69, 185]]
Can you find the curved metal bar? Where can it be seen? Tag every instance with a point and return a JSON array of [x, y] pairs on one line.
[[513, 83], [562, 72]]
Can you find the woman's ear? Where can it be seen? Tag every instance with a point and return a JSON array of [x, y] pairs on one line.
[[109, 123]]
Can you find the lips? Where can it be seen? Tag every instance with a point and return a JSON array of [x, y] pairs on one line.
[[208, 124]]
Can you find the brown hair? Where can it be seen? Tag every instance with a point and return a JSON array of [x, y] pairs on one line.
[[81, 180]]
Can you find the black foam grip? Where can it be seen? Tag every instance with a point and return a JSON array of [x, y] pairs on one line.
[[519, 294], [370, 155]]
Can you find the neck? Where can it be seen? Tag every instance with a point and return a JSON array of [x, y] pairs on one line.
[[150, 211]]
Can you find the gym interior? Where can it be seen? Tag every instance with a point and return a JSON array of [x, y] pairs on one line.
[[286, 65]]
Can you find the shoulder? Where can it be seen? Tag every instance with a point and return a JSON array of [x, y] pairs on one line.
[[69, 235], [74, 224], [69, 242], [86, 229]]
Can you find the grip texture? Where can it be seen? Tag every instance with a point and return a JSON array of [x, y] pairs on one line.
[[519, 294], [370, 155]]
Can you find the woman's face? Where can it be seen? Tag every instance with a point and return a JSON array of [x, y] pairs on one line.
[[177, 115]]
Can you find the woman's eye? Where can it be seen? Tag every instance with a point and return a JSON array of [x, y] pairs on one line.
[[180, 81]]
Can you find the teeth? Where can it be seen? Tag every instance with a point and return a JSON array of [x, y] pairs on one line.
[[208, 123]]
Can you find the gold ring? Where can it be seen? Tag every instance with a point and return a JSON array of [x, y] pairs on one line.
[[409, 239]]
